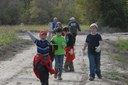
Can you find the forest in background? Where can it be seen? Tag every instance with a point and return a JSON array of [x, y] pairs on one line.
[[112, 13]]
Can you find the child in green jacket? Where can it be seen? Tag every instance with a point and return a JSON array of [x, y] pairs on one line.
[[60, 43]]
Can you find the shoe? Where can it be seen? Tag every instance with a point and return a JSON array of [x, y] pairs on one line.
[[100, 77], [59, 78], [66, 70], [71, 71], [55, 76], [91, 78]]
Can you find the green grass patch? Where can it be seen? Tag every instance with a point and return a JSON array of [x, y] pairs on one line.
[[8, 28], [116, 76], [6, 38], [122, 45], [7, 32], [84, 27], [120, 58], [17, 28]]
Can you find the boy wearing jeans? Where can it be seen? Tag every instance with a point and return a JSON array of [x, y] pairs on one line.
[[60, 44]]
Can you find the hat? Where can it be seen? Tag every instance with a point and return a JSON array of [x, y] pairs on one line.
[[43, 32], [72, 18], [55, 18]]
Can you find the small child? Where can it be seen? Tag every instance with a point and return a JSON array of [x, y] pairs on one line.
[[59, 45], [42, 61], [70, 56]]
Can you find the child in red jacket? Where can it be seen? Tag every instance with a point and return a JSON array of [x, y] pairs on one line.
[[42, 61], [70, 56]]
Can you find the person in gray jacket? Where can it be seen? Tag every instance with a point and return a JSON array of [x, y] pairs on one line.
[[73, 27]]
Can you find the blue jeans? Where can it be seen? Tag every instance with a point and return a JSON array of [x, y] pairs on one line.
[[59, 64], [94, 63]]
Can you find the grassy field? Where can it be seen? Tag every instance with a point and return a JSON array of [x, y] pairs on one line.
[[32, 27], [6, 38], [122, 45], [8, 33], [116, 76]]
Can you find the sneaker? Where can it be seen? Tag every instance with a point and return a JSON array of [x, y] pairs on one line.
[[71, 70], [100, 77], [55, 76], [91, 78], [66, 70], [59, 78]]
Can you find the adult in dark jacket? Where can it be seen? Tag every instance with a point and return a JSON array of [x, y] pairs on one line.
[[73, 27]]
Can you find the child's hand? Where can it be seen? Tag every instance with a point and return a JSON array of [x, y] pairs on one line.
[[84, 53], [98, 49], [71, 51], [63, 43]]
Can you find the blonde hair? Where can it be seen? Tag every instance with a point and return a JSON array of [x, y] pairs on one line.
[[94, 24]]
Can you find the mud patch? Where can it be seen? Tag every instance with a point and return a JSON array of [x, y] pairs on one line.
[[11, 49]]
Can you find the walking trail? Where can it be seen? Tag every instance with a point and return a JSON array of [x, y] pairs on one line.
[[18, 70]]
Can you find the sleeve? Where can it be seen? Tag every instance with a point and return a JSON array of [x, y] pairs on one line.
[[71, 40], [100, 38], [78, 26], [52, 25], [54, 44], [31, 36], [36, 41], [64, 42], [69, 25], [87, 39]]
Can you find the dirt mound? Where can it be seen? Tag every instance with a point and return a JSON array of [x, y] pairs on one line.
[[11, 49]]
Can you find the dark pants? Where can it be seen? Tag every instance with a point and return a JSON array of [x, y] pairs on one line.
[[52, 57], [74, 36], [43, 74], [68, 66], [94, 63]]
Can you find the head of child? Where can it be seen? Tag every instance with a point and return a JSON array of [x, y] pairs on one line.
[[93, 28], [65, 30], [59, 25], [43, 35], [58, 31]]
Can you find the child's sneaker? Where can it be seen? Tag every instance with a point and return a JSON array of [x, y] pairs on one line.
[[55, 76], [91, 78], [59, 78]]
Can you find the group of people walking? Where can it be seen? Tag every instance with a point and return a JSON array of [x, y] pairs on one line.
[[62, 44]]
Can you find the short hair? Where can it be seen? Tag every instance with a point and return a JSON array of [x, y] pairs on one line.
[[55, 18], [65, 29], [58, 30], [94, 24]]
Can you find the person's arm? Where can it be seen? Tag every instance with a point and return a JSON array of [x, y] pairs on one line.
[[98, 48], [83, 50], [85, 45], [31, 36], [78, 26], [64, 43]]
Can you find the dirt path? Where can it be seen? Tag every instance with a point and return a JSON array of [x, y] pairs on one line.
[[18, 70]]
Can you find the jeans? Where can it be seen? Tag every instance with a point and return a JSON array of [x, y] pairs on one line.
[[59, 64], [94, 63]]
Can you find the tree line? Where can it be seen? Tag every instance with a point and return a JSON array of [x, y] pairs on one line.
[[112, 13]]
